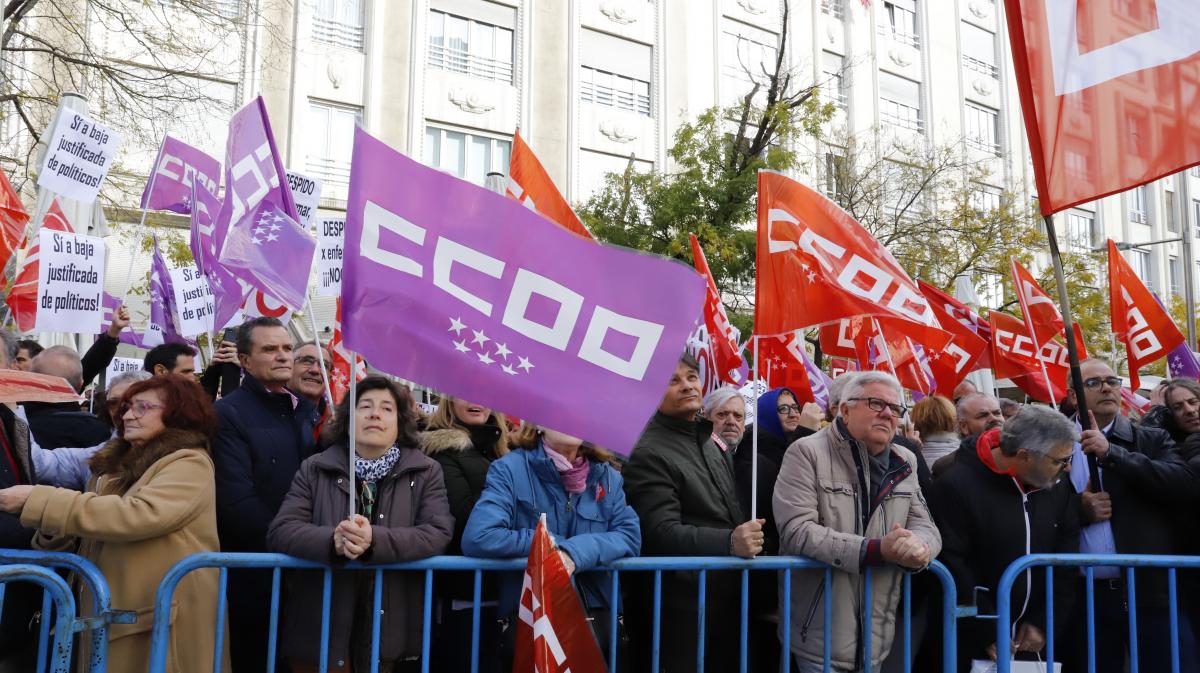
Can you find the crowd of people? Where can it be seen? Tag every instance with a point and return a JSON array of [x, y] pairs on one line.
[[248, 456]]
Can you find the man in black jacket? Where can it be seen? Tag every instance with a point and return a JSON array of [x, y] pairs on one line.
[[55, 425], [18, 645], [265, 432], [681, 485], [1001, 499], [1144, 484]]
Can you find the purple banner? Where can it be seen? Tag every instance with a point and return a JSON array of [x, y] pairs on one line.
[[161, 328], [468, 292], [228, 293], [177, 167], [272, 252], [128, 336], [818, 381]]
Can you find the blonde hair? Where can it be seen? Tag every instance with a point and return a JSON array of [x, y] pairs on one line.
[[527, 438], [934, 414], [443, 418]]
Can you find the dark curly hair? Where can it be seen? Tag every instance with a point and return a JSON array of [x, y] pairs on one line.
[[337, 430]]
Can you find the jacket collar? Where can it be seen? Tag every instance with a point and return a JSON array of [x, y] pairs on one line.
[[544, 468], [335, 459], [256, 388], [1122, 430], [700, 429]]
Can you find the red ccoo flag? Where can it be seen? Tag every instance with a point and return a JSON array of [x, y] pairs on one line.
[[1016, 358], [552, 630], [1138, 319], [22, 298], [725, 347], [962, 356], [13, 218], [530, 184], [817, 265], [782, 364], [1109, 95], [1042, 319]]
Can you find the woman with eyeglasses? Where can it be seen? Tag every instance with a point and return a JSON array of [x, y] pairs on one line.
[[781, 419], [150, 503]]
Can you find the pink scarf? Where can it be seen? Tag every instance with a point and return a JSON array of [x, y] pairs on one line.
[[574, 475]]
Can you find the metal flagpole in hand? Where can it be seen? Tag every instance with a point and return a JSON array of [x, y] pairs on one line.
[[1081, 410], [754, 440], [308, 305], [353, 408]]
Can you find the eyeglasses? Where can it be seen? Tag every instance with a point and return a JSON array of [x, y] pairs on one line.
[[786, 409], [139, 408], [876, 404], [1097, 381], [309, 361], [1061, 463]]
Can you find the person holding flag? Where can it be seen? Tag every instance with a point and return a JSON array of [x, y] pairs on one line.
[[577, 487], [402, 516]]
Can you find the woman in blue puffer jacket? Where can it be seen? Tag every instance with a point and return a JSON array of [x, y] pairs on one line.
[[582, 494]]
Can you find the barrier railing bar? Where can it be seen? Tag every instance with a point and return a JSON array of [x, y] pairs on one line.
[[613, 609], [1173, 606], [478, 596], [827, 610], [376, 617], [907, 603], [427, 622], [44, 632], [326, 599], [1049, 619], [219, 641], [785, 620], [744, 645], [1089, 579], [64, 606], [273, 637], [701, 613], [1131, 598], [655, 638], [866, 629]]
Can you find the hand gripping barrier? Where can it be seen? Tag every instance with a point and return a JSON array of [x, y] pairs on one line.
[[102, 612], [1089, 563], [444, 564], [56, 591]]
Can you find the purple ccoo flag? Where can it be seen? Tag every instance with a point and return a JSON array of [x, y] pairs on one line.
[[468, 292], [818, 381], [128, 336], [177, 168], [1181, 362], [228, 293], [271, 251], [161, 328]]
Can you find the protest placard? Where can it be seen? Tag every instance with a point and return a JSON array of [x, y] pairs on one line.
[[330, 237], [306, 192], [120, 366], [193, 301], [70, 283], [78, 157]]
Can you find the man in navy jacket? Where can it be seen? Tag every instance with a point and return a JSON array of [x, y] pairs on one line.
[[265, 432]]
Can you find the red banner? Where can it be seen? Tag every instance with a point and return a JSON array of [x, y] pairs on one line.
[[966, 352], [1109, 92], [22, 298], [781, 364], [720, 332], [1042, 319], [13, 219], [1016, 358], [529, 183], [552, 630], [817, 265], [1138, 320]]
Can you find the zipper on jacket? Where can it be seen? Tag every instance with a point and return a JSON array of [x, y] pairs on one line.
[[1028, 544], [812, 611]]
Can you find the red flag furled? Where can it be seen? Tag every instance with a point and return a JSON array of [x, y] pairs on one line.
[[719, 330], [781, 364], [881, 347], [339, 381], [1109, 95], [1042, 319], [17, 386], [970, 350], [529, 183], [552, 630], [1138, 320], [817, 265], [837, 339], [22, 298], [13, 218], [1016, 358]]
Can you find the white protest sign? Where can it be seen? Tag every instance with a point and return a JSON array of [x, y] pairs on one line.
[[331, 232], [70, 282], [194, 302], [120, 366], [306, 192], [78, 157]]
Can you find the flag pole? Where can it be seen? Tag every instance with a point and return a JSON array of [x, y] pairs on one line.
[[754, 440], [353, 429], [320, 348], [141, 230], [1081, 410]]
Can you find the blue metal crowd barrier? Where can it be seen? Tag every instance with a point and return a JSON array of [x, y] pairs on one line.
[[1088, 563], [442, 564], [102, 613], [57, 595]]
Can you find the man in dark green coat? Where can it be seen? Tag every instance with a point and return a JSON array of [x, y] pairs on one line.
[[680, 483]]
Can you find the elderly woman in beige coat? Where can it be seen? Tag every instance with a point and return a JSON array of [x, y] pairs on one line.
[[150, 503]]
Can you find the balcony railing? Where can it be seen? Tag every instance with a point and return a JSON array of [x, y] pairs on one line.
[[981, 67], [459, 60], [337, 33]]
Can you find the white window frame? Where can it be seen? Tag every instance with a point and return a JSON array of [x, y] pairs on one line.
[[1138, 204], [834, 8], [833, 81], [1081, 230], [475, 61], [337, 26], [332, 172], [982, 128], [985, 68], [620, 92], [499, 148], [900, 23], [900, 113]]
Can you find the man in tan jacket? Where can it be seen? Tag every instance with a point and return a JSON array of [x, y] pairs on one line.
[[848, 496]]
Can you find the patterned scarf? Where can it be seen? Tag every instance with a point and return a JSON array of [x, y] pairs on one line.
[[372, 470]]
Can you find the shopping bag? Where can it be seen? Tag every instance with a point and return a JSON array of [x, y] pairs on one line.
[[989, 666]]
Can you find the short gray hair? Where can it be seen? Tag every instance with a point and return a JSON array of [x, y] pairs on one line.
[[1008, 405], [60, 361], [863, 379], [8, 343], [127, 377], [836, 388], [718, 397], [1036, 429], [961, 405]]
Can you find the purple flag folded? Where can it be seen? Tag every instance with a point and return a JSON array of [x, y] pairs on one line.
[[177, 168], [272, 252], [228, 293], [818, 381], [128, 336], [1181, 362], [161, 328], [460, 289]]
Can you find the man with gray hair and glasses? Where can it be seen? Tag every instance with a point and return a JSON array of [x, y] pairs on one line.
[[848, 496], [726, 408], [1004, 497]]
